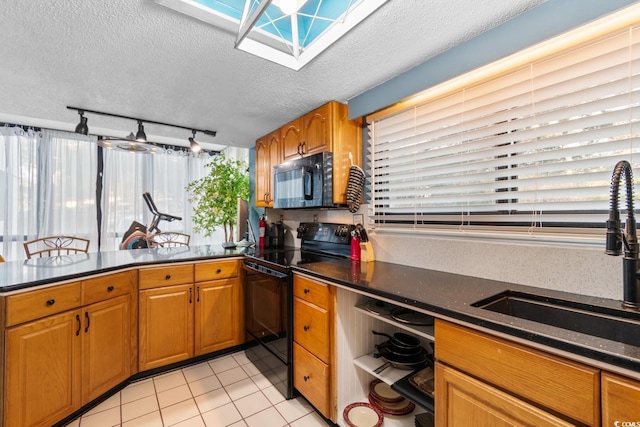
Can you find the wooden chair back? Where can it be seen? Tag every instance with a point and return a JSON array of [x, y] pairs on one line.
[[56, 246]]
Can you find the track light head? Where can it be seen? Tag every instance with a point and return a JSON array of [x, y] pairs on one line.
[[140, 135], [195, 147], [82, 126]]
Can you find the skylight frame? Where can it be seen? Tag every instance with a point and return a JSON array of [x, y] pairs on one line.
[[278, 49]]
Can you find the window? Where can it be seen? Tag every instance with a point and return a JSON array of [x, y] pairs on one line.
[[48, 185], [524, 145]]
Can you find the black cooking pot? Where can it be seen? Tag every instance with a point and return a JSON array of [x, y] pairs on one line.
[[400, 340]]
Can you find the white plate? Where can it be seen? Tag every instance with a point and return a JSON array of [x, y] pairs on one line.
[[362, 414]]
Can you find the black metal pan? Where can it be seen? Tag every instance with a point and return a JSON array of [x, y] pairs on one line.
[[399, 351], [401, 340], [401, 362]]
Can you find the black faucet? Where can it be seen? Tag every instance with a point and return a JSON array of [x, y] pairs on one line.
[[615, 238]]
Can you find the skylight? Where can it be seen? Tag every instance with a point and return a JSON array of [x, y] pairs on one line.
[[263, 29]]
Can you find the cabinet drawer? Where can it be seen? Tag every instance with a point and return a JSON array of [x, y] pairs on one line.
[[312, 378], [217, 270], [311, 328], [560, 385], [44, 302], [109, 286], [165, 276], [312, 291]]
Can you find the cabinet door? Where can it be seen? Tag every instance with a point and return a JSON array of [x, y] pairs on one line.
[[218, 315], [291, 136], [620, 399], [317, 130], [268, 154], [166, 325], [464, 401], [43, 370], [106, 348]]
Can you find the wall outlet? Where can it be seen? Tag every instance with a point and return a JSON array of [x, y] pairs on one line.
[[358, 219]]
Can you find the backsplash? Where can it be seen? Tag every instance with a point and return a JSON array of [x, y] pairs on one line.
[[585, 271]]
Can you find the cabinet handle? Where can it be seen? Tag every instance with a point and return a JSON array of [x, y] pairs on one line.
[[306, 327], [306, 291], [306, 378], [190, 295], [167, 277], [218, 271], [300, 149], [304, 148], [79, 324], [86, 315], [110, 288], [50, 302], [198, 295]]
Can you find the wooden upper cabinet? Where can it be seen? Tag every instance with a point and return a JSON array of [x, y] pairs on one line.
[[318, 130], [292, 140], [268, 154], [325, 129]]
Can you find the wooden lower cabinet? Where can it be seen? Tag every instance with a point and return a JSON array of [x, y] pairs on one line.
[[218, 315], [464, 401], [165, 325], [180, 321], [620, 400], [314, 343], [42, 370], [551, 384], [106, 346]]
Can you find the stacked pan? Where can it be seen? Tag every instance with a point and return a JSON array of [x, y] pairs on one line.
[[402, 351]]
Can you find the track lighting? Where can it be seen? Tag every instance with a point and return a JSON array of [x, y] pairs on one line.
[[139, 143], [195, 147], [82, 126], [140, 135]]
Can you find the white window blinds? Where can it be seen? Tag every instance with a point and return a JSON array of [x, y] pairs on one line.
[[533, 147]]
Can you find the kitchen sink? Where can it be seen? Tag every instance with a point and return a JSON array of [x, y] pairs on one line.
[[608, 323]]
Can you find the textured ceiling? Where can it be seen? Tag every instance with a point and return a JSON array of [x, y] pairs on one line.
[[137, 58]]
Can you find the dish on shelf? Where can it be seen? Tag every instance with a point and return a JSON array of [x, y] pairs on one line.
[[410, 317], [378, 307], [362, 414], [403, 407], [423, 381], [382, 392]]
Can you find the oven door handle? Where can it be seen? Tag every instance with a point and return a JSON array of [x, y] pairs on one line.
[[265, 270]]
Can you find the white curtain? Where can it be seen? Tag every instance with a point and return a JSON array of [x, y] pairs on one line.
[[165, 175], [18, 189], [47, 186]]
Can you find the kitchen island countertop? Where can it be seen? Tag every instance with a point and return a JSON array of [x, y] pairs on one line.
[[15, 275]]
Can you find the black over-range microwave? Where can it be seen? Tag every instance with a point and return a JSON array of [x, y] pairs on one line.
[[304, 183]]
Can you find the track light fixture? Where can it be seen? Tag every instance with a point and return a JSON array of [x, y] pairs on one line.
[[140, 137], [195, 147], [82, 126]]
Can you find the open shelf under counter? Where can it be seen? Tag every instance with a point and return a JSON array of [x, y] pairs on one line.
[[390, 420], [398, 379], [422, 331]]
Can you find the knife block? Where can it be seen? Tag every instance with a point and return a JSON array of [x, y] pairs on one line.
[[366, 252]]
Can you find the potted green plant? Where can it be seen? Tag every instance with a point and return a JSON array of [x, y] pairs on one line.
[[214, 197]]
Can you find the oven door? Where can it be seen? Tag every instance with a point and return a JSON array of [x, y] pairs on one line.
[[267, 309], [269, 324]]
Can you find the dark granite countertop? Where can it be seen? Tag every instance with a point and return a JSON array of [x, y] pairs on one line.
[[16, 275], [441, 294], [451, 295]]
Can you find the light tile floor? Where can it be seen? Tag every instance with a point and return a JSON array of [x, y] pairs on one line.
[[225, 391]]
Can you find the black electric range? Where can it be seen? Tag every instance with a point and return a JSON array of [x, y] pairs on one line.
[[269, 296]]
